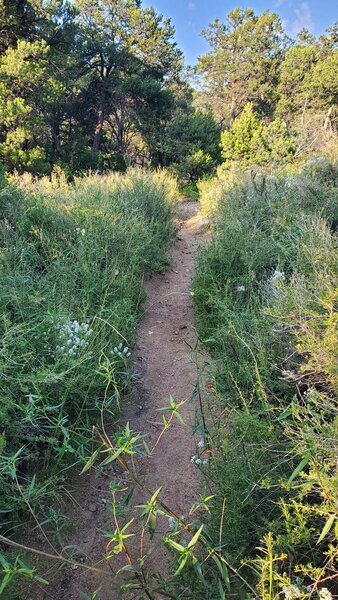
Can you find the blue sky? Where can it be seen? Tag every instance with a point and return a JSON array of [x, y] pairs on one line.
[[191, 16]]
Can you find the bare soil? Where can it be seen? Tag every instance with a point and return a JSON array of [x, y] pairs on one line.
[[164, 366]]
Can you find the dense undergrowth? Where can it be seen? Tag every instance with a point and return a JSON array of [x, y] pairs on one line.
[[266, 307], [72, 259]]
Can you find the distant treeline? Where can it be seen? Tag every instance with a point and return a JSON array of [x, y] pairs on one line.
[[100, 85]]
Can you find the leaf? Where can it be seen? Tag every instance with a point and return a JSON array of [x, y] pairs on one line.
[[326, 528], [220, 590], [152, 525], [182, 564], [3, 561], [110, 459], [154, 496], [285, 414], [176, 546], [298, 469], [195, 538], [41, 580], [6, 580], [223, 571], [198, 569], [178, 417], [90, 461]]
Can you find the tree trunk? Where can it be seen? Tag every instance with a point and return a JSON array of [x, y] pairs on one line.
[[327, 118], [54, 125], [98, 130], [233, 112]]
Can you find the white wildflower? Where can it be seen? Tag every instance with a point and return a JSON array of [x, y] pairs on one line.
[[201, 444], [324, 594], [122, 352], [80, 231], [73, 336], [277, 276], [291, 592], [240, 288]]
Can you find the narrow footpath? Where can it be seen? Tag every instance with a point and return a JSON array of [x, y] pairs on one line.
[[164, 366]]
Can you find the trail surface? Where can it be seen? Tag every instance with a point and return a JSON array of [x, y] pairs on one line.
[[164, 366]]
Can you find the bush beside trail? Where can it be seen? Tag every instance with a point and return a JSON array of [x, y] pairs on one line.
[[265, 293], [72, 259]]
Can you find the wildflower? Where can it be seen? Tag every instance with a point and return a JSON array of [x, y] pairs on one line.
[[324, 594], [291, 592], [80, 231], [277, 276], [150, 332], [201, 444], [240, 288], [73, 337], [122, 352]]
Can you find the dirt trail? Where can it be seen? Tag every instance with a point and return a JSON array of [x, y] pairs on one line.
[[164, 366]]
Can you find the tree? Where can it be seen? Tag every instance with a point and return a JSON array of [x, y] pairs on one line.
[[243, 64], [85, 84], [130, 57], [190, 132], [245, 141], [250, 141]]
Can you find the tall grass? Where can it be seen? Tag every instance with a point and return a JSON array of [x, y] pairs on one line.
[[265, 292], [72, 260]]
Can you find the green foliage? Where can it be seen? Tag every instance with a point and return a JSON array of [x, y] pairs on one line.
[[85, 84], [72, 259], [250, 142], [275, 98], [243, 64], [266, 306], [192, 145], [245, 141], [191, 132], [195, 166]]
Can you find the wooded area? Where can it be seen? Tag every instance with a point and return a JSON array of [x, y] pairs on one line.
[[96, 85]]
